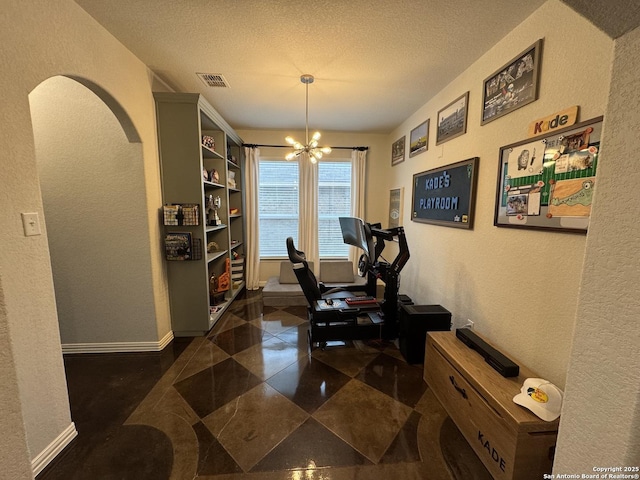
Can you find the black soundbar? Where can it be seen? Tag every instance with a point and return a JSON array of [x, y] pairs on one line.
[[493, 357]]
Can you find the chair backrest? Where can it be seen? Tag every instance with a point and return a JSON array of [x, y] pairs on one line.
[[306, 278]]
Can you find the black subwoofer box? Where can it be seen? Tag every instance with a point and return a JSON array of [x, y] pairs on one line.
[[415, 322]]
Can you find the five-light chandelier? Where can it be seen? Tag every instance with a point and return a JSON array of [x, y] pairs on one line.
[[310, 147]]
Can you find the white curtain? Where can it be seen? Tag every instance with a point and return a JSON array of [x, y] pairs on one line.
[[358, 171], [308, 216], [252, 237]]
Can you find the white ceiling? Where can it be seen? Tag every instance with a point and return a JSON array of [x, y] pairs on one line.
[[375, 62]]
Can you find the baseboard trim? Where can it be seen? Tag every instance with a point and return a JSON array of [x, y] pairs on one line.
[[53, 450], [118, 347]]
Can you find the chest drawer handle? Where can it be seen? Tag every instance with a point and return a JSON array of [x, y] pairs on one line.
[[455, 385]]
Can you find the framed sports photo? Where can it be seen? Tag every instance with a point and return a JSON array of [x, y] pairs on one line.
[[396, 200], [513, 86], [452, 119], [397, 151], [419, 139]]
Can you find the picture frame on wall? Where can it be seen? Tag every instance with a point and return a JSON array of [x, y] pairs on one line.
[[512, 86], [396, 200], [419, 139], [446, 195], [548, 182], [452, 119], [397, 151]]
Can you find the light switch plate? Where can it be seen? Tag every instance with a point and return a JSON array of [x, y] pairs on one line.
[[31, 224]]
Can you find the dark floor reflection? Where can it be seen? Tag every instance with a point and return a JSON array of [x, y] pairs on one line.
[[249, 400]]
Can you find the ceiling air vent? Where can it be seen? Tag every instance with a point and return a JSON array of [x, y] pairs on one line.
[[213, 80]]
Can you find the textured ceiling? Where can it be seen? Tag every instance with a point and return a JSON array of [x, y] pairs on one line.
[[375, 62]]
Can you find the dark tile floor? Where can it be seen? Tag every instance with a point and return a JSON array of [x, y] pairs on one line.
[[250, 401]]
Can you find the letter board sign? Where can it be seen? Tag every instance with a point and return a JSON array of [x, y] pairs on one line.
[[446, 195]]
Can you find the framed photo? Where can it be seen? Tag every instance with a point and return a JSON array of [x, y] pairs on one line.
[[446, 195], [548, 183], [396, 199], [397, 151], [419, 139], [513, 85], [452, 119]]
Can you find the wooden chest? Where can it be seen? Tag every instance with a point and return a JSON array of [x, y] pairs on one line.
[[511, 441]]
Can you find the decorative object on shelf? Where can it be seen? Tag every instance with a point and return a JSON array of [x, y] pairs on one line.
[[452, 119], [234, 211], [213, 284], [212, 247], [237, 270], [231, 179], [205, 174], [177, 246], [214, 176], [310, 147], [512, 86], [224, 278], [397, 151], [213, 204], [209, 142]]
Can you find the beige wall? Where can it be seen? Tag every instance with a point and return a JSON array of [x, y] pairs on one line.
[[40, 40], [92, 183], [471, 272]]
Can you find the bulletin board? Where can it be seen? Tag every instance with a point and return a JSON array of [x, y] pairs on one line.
[[548, 182], [446, 195]]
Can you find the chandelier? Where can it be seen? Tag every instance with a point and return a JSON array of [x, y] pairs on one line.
[[310, 147]]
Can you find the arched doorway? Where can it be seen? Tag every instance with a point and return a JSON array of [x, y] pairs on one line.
[[91, 173]]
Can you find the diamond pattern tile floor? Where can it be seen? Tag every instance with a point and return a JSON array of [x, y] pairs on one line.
[[250, 401]]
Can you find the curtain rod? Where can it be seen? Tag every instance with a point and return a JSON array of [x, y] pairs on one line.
[[255, 145]]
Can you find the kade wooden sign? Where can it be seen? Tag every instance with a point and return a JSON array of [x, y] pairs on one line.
[[556, 121]]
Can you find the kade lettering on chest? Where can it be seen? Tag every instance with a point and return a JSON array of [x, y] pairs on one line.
[[492, 452]]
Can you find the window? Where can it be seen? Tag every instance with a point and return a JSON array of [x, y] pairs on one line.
[[334, 200], [279, 209], [278, 206]]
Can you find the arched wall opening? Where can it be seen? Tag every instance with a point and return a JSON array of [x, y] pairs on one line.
[[91, 173]]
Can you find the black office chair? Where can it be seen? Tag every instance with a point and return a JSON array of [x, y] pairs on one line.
[[312, 289], [339, 321]]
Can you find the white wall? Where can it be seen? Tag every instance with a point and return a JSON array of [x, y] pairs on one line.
[[601, 417], [92, 182], [40, 40], [471, 272]]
